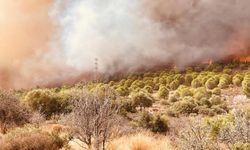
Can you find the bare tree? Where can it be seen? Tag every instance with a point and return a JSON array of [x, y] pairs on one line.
[[93, 116]]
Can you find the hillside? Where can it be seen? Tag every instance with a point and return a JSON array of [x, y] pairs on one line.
[[201, 107]]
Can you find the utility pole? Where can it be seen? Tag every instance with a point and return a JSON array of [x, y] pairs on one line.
[[96, 70]]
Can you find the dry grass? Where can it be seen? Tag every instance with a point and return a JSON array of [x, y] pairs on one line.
[[29, 141], [141, 141]]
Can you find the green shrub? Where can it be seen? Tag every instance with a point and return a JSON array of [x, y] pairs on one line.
[[163, 92], [237, 79], [216, 91], [204, 79], [188, 79], [225, 81], [126, 106], [156, 123], [174, 85], [46, 102], [142, 100], [185, 106], [241, 146], [212, 83], [218, 68], [223, 84], [179, 78], [205, 110], [162, 81], [156, 87], [246, 85], [174, 96], [160, 124], [215, 100], [196, 83], [228, 71], [138, 83], [200, 93], [185, 91], [204, 102], [148, 88], [128, 83], [122, 91], [219, 109], [146, 120]]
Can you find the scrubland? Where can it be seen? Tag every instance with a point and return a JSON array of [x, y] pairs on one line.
[[203, 107]]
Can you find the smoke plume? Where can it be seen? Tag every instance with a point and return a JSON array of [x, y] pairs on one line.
[[46, 42]]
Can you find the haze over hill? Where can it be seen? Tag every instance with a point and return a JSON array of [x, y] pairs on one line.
[[54, 41]]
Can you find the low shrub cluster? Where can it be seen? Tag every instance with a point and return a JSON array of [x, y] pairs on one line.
[[30, 138], [222, 132], [186, 100], [47, 102], [12, 113], [156, 123], [142, 100], [246, 85]]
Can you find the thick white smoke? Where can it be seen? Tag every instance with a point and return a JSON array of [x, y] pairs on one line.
[[132, 34], [115, 32]]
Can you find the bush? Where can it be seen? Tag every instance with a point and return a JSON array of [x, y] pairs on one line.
[[216, 91], [201, 92], [228, 71], [174, 85], [174, 96], [46, 102], [126, 106], [179, 78], [163, 92], [155, 123], [246, 85], [215, 100], [146, 120], [225, 81], [142, 100], [160, 124], [204, 102], [11, 112], [148, 89], [30, 139], [188, 79], [185, 106], [122, 91], [237, 79], [185, 91], [212, 83], [196, 83]]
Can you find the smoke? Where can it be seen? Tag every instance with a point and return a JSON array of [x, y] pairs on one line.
[[128, 34], [54, 41]]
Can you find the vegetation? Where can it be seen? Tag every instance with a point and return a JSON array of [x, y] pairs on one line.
[[156, 123], [93, 117], [12, 114], [107, 114], [29, 138], [142, 100], [46, 102]]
